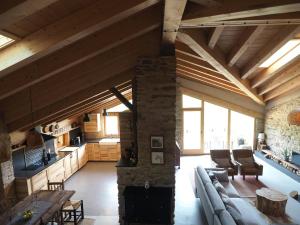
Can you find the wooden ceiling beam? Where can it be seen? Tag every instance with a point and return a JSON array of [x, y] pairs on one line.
[[214, 37], [196, 62], [78, 25], [207, 82], [286, 97], [268, 73], [273, 45], [289, 73], [248, 37], [196, 41], [14, 11], [290, 85], [184, 49], [81, 50], [196, 69], [173, 12], [239, 10], [204, 76], [207, 3], [122, 99]]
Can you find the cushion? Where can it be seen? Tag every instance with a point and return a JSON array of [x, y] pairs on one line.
[[219, 187], [212, 176], [221, 175], [223, 162], [247, 161], [249, 214], [231, 191], [203, 175], [214, 198], [226, 218]]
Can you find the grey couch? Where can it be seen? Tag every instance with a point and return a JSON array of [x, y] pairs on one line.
[[217, 212]]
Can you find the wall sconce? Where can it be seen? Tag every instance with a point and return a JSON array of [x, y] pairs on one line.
[[294, 117], [104, 113]]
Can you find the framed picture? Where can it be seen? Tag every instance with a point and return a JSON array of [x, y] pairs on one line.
[[157, 142], [157, 157]]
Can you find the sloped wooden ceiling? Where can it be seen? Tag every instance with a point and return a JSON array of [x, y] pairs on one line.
[[69, 53]]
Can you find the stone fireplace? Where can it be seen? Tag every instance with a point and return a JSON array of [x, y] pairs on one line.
[[154, 98]]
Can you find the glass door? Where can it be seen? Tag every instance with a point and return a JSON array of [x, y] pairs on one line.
[[191, 125]]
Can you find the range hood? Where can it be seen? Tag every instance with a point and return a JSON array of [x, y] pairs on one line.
[[35, 139]]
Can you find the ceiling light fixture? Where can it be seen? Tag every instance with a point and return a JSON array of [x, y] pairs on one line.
[[283, 54]]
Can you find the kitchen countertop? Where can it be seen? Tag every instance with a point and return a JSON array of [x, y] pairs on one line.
[[31, 173], [104, 140]]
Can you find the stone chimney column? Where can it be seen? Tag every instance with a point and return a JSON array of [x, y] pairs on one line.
[[7, 178]]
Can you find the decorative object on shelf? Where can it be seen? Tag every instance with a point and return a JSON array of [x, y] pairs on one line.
[[157, 142], [261, 141], [286, 154], [294, 117], [56, 126], [157, 157], [104, 113], [86, 117], [241, 141]]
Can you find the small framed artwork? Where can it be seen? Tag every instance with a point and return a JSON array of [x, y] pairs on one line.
[[157, 157], [157, 142]]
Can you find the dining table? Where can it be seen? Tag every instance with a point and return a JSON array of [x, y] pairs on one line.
[[43, 204]]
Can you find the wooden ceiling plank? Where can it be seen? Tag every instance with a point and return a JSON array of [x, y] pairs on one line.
[[75, 100], [291, 84], [196, 41], [20, 9], [289, 73], [214, 37], [207, 3], [237, 11], [173, 12], [80, 51], [248, 37], [275, 44], [78, 25]]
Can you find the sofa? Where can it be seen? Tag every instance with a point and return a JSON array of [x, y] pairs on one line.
[[221, 202]]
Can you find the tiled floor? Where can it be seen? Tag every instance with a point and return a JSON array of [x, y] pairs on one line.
[[96, 184]]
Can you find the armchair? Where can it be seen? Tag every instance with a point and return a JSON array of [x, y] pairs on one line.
[[222, 159], [246, 162]]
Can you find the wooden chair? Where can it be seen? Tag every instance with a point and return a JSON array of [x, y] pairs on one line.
[[222, 159], [246, 162], [72, 210]]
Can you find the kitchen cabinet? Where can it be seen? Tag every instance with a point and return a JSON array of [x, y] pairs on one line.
[[39, 181], [82, 156], [67, 167], [104, 151], [56, 172], [74, 161]]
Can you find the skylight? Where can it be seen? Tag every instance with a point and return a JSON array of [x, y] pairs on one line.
[[5, 41], [285, 54]]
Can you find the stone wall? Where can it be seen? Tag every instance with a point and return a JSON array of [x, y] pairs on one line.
[[259, 128], [279, 133], [155, 99]]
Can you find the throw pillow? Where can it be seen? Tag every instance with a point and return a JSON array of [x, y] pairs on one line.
[[219, 187], [223, 162], [212, 176], [247, 161], [221, 175]]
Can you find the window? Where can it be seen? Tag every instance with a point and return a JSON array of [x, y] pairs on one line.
[[111, 125], [242, 130], [190, 102], [192, 130], [4, 41], [215, 127], [118, 108], [285, 54]]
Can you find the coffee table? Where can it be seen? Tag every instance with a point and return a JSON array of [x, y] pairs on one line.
[[271, 202]]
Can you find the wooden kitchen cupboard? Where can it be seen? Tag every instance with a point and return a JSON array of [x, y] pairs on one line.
[[67, 166], [103, 152], [82, 156]]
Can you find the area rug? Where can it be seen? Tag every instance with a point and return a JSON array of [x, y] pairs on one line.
[[247, 188]]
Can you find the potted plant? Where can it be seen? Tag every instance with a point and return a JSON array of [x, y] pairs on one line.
[[286, 154]]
